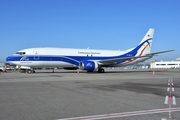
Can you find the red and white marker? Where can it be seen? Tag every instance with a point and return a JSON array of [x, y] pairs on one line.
[[170, 100], [170, 89], [170, 82]]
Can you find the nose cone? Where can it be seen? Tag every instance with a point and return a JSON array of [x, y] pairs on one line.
[[13, 59], [8, 58]]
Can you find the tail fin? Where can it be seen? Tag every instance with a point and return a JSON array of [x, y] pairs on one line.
[[148, 35], [146, 42]]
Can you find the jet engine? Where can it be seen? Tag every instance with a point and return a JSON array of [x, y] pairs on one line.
[[88, 65]]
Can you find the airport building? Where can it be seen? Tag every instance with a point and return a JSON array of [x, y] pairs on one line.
[[165, 64]]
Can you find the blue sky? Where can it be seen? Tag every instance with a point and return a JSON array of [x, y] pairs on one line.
[[97, 24]]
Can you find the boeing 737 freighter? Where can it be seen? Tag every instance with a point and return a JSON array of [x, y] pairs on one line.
[[84, 59]]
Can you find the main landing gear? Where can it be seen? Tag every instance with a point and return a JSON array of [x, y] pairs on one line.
[[101, 70]]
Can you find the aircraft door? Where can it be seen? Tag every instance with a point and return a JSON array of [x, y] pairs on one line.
[[36, 55]]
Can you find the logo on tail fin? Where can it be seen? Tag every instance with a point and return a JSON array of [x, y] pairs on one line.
[[147, 46]]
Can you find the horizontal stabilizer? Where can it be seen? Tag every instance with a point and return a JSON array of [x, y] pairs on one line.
[[155, 53]]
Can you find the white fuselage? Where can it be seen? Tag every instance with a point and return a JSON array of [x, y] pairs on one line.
[[38, 53]]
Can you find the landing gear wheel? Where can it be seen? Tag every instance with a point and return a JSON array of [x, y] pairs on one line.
[[29, 71], [101, 70]]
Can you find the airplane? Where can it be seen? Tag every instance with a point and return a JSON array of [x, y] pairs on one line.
[[84, 59]]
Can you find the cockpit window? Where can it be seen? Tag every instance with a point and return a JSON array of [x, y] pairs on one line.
[[20, 53]]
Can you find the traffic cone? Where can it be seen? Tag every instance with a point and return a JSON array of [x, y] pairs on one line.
[[153, 73]]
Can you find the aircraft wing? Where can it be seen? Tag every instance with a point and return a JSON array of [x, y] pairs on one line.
[[112, 61]]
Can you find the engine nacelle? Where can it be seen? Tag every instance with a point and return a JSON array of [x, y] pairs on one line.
[[88, 65]]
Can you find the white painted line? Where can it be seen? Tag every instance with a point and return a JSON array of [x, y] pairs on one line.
[[166, 100], [170, 89], [124, 114], [167, 119], [174, 100]]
